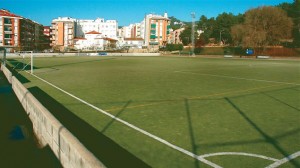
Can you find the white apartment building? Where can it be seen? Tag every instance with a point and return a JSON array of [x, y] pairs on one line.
[[91, 41], [125, 31], [65, 30], [107, 28]]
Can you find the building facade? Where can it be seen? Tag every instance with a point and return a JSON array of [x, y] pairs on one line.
[[63, 33], [107, 28], [157, 30], [175, 36], [9, 30], [67, 31], [19, 34]]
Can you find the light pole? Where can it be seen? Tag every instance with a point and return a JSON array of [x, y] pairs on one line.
[[221, 36], [193, 33]]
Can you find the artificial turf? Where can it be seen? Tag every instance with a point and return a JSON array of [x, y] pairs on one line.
[[199, 104]]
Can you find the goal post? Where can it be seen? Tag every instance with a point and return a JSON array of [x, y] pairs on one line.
[[27, 59], [3, 57]]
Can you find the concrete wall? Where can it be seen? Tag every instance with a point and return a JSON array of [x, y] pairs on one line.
[[49, 131], [7, 73]]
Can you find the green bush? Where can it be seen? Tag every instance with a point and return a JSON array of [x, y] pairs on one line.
[[174, 47]]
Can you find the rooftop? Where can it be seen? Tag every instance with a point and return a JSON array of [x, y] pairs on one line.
[[4, 12]]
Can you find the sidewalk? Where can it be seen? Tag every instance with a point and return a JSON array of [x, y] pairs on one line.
[[18, 147]]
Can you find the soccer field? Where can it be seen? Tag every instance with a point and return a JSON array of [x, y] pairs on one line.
[[183, 112]]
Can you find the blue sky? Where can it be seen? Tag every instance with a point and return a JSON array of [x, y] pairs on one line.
[[127, 11]]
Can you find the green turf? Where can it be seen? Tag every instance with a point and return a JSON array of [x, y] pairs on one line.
[[201, 105]]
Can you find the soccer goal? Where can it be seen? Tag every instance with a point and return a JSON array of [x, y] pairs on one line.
[[26, 61]]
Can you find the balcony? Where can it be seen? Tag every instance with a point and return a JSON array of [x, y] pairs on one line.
[[7, 23], [7, 32]]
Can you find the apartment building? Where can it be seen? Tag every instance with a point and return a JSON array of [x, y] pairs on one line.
[[63, 32], [18, 33], [9, 30], [136, 31], [107, 28], [66, 31], [175, 36], [125, 31], [157, 30], [47, 30]]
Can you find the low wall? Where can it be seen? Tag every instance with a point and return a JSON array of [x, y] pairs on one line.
[[49, 131], [7, 73], [16, 55], [133, 54]]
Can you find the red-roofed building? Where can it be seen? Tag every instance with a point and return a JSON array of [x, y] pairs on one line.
[[91, 41], [20, 34], [9, 30], [93, 32]]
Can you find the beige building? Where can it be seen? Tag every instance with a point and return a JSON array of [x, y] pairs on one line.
[[157, 30], [175, 36], [63, 33]]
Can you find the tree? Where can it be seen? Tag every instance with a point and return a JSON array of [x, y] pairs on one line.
[[224, 22], [185, 36], [219, 27], [293, 11], [206, 25], [237, 34], [263, 26], [175, 23]]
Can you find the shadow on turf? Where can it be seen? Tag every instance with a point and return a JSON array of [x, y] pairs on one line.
[[107, 151], [117, 116], [81, 62], [267, 138], [282, 102], [191, 131], [15, 71]]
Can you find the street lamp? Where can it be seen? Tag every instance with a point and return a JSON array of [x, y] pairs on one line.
[[193, 32]]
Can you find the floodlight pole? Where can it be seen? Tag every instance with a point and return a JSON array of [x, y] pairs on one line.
[[193, 33]]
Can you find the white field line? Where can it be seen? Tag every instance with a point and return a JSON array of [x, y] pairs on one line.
[[232, 77], [239, 154], [135, 128], [284, 160]]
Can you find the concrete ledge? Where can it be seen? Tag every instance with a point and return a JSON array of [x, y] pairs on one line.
[[7, 73], [228, 56], [49, 131], [262, 57]]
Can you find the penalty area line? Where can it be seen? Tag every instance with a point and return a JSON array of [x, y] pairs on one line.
[[134, 127], [232, 77]]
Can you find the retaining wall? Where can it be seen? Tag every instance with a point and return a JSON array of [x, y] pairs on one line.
[[49, 131]]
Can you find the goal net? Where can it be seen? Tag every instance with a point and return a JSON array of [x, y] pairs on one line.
[[24, 61]]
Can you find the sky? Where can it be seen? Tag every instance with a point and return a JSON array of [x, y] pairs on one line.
[[127, 11]]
